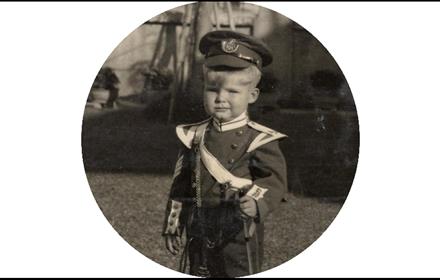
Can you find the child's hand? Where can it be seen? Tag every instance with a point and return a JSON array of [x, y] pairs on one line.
[[248, 207], [173, 243]]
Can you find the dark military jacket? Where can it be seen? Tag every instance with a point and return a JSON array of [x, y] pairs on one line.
[[251, 153], [248, 150]]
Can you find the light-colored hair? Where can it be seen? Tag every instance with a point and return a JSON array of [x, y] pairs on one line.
[[252, 70]]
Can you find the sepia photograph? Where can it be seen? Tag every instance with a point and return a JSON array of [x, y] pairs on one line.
[[220, 139]]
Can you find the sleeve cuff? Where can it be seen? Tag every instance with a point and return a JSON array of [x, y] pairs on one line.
[[256, 192], [173, 218]]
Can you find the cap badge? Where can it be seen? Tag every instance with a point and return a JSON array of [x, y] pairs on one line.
[[230, 46]]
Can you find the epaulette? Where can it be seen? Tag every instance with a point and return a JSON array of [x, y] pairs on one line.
[[266, 135], [186, 132]]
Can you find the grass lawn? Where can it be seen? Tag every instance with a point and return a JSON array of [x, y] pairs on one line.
[[134, 204]]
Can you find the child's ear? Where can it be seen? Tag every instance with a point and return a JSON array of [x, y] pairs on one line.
[[255, 92]]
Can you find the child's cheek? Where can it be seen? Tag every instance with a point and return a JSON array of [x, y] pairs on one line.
[[208, 102]]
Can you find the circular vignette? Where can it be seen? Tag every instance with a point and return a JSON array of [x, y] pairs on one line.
[[153, 81]]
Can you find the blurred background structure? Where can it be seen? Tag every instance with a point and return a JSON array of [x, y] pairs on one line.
[[153, 81], [304, 93]]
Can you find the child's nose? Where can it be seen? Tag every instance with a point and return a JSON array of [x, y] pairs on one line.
[[221, 96]]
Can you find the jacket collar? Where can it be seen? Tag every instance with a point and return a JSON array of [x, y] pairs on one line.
[[239, 121]]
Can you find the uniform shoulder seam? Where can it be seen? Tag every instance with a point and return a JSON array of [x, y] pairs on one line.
[[186, 132], [265, 129], [265, 136], [193, 124]]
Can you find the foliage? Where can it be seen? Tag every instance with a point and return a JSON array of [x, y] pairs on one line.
[[106, 79], [144, 77], [159, 78], [326, 80]]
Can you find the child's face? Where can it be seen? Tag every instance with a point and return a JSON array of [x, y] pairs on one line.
[[227, 94]]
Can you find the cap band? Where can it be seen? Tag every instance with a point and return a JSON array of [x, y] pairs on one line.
[[233, 48]]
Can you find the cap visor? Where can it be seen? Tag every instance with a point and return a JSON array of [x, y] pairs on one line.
[[226, 60]]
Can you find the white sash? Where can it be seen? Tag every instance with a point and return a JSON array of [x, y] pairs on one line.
[[221, 174], [218, 171]]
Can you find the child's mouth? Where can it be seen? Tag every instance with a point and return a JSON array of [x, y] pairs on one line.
[[221, 109]]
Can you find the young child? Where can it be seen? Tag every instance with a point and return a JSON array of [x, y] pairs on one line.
[[230, 173]]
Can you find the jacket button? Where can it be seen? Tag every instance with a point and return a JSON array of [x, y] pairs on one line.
[[231, 161], [234, 146], [239, 133]]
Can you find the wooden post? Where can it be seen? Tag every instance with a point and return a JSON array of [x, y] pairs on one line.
[[185, 42], [230, 16], [175, 82], [202, 25], [180, 57], [158, 45], [217, 22]]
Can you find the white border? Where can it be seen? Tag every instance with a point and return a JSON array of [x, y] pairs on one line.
[[50, 223]]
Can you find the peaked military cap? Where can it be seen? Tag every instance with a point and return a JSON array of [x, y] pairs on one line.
[[233, 49]]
